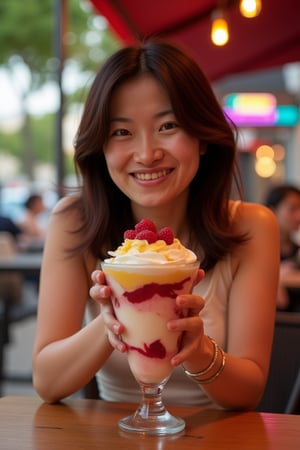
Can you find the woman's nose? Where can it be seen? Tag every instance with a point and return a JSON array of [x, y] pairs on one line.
[[148, 151]]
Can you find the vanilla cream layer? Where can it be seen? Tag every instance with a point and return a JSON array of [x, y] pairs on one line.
[[137, 251]]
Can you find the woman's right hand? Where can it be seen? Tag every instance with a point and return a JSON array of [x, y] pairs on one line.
[[101, 293]]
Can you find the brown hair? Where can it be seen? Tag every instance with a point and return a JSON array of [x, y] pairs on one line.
[[105, 210]]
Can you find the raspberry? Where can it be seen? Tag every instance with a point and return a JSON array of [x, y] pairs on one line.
[[129, 234], [146, 230], [166, 235], [145, 224], [148, 235]]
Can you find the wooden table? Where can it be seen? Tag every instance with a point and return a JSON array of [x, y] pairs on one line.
[[27, 423]]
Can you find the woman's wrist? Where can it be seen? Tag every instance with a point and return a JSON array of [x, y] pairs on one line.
[[212, 371], [203, 358]]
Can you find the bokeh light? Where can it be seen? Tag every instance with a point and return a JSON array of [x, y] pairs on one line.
[[265, 167], [279, 152], [264, 150]]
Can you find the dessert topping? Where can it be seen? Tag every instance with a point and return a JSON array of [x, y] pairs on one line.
[[146, 230]]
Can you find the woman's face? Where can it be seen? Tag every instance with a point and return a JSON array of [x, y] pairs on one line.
[[149, 156], [288, 213]]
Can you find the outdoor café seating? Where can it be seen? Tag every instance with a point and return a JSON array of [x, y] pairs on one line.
[[282, 393], [16, 302]]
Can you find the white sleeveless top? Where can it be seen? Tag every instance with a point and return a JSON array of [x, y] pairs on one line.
[[115, 381]]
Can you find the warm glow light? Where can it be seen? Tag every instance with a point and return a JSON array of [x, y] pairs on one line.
[[279, 152], [219, 31], [265, 167], [264, 151], [250, 8]]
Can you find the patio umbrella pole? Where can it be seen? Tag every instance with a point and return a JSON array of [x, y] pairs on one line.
[[60, 15]]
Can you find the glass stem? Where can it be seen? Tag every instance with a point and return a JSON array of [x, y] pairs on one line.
[[151, 404]]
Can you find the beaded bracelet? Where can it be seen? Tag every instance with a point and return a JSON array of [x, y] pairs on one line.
[[194, 375]]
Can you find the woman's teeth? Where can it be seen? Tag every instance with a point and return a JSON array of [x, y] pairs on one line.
[[151, 176]]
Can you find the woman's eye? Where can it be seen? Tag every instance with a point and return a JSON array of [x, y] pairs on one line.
[[168, 126], [120, 132]]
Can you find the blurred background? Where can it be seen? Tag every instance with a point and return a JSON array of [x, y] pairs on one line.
[[50, 51]]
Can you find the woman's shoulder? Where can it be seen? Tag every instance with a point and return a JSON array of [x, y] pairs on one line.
[[64, 230], [259, 224], [66, 203], [248, 216], [67, 211]]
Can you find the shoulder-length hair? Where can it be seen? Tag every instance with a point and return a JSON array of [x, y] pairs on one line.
[[105, 210]]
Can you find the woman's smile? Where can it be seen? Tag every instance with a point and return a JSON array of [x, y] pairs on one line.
[[150, 176]]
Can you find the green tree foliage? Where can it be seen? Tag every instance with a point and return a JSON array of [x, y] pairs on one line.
[[27, 35]]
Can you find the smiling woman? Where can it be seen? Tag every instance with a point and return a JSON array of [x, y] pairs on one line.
[[154, 144]]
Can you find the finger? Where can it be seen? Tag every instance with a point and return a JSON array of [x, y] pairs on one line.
[[191, 324], [193, 303], [116, 342], [100, 293], [191, 343], [182, 355], [110, 320], [98, 276], [200, 276]]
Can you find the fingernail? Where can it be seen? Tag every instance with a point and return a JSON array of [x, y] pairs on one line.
[[121, 347], [116, 328]]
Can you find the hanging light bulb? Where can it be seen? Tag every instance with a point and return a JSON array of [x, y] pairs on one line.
[[219, 29], [250, 8]]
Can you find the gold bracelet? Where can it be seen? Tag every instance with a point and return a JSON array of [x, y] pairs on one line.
[[219, 371], [211, 365]]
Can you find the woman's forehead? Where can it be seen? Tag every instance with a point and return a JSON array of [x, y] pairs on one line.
[[141, 91]]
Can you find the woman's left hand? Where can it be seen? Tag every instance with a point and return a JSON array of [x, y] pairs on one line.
[[191, 325]]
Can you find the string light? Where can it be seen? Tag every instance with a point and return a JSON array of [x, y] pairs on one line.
[[250, 8], [265, 166], [264, 151], [219, 29]]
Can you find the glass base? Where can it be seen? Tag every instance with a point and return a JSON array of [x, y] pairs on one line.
[[158, 425]]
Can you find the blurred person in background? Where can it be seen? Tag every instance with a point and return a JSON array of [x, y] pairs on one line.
[[7, 225], [31, 224], [284, 200], [10, 236]]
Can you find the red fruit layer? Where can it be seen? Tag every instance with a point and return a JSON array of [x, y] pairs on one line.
[[155, 350], [149, 290]]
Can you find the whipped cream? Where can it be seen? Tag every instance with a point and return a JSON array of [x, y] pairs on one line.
[[136, 251]]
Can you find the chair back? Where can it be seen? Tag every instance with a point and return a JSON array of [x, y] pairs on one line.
[[10, 283], [283, 380]]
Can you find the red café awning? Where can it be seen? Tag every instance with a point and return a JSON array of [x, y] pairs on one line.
[[271, 39]]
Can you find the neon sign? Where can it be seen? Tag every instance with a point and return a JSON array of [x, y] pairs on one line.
[[260, 110]]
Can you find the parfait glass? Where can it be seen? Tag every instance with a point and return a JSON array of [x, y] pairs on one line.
[[143, 298]]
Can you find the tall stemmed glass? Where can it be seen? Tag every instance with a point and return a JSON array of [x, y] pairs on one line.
[[143, 297]]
